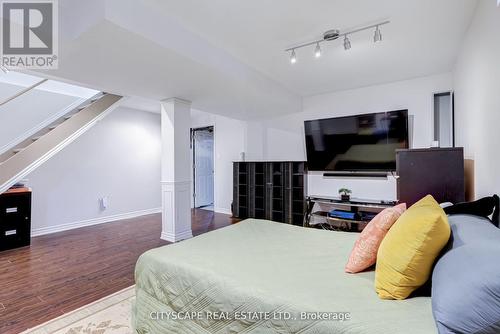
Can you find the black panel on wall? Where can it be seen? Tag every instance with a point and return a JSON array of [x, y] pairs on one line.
[[437, 171]]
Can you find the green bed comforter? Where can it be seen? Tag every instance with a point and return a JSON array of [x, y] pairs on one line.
[[263, 277]]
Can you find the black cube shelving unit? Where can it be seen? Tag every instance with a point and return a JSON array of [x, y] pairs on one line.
[[270, 190]]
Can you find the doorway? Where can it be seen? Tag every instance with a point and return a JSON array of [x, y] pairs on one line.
[[202, 142], [444, 119]]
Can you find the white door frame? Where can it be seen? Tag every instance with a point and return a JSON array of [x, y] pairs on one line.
[[193, 145]]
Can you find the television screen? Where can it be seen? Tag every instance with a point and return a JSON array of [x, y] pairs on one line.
[[356, 143]]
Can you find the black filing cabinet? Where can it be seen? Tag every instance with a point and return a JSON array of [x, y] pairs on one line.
[[15, 220]]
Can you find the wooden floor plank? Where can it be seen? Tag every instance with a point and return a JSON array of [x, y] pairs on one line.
[[63, 271]]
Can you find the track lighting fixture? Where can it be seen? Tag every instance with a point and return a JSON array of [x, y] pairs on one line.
[[378, 35], [347, 43], [4, 69], [334, 34], [317, 51], [293, 57]]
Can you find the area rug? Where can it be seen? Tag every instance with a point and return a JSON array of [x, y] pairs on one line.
[[110, 315]]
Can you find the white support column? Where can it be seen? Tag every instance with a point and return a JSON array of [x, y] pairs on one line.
[[176, 169]]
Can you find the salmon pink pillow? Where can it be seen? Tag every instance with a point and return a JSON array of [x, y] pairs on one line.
[[364, 253]]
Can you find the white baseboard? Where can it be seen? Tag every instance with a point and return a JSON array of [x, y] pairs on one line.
[[224, 211], [170, 237], [94, 221]]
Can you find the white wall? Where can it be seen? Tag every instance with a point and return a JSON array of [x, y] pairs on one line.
[[229, 142], [477, 97], [283, 138], [119, 157]]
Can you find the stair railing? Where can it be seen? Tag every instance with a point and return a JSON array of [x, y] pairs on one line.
[[24, 91]]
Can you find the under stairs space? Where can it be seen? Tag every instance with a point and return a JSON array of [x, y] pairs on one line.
[[43, 116]]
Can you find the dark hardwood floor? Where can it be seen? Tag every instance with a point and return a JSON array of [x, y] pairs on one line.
[[63, 271]]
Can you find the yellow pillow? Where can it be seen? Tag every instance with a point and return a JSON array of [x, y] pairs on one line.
[[408, 251]]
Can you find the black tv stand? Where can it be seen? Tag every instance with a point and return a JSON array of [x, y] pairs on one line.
[[378, 175]]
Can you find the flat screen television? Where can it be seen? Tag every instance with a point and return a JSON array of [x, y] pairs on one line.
[[361, 143]]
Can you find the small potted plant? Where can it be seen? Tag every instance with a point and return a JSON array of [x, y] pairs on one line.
[[345, 194]]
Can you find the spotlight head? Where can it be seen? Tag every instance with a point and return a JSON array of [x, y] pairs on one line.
[[378, 35], [317, 51], [293, 57], [347, 43]]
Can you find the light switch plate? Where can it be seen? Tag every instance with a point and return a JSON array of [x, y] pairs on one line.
[[104, 202]]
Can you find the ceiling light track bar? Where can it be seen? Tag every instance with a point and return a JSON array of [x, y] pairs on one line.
[[341, 34]]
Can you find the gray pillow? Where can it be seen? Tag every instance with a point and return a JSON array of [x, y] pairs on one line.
[[466, 279]]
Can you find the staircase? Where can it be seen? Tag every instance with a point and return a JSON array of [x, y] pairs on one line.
[[29, 154]]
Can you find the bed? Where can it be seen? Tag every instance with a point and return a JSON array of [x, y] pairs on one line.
[[259, 276]]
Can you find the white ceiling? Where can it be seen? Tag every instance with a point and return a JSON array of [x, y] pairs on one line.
[[422, 39], [227, 56]]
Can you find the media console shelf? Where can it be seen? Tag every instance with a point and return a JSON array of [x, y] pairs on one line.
[[370, 175], [317, 208]]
